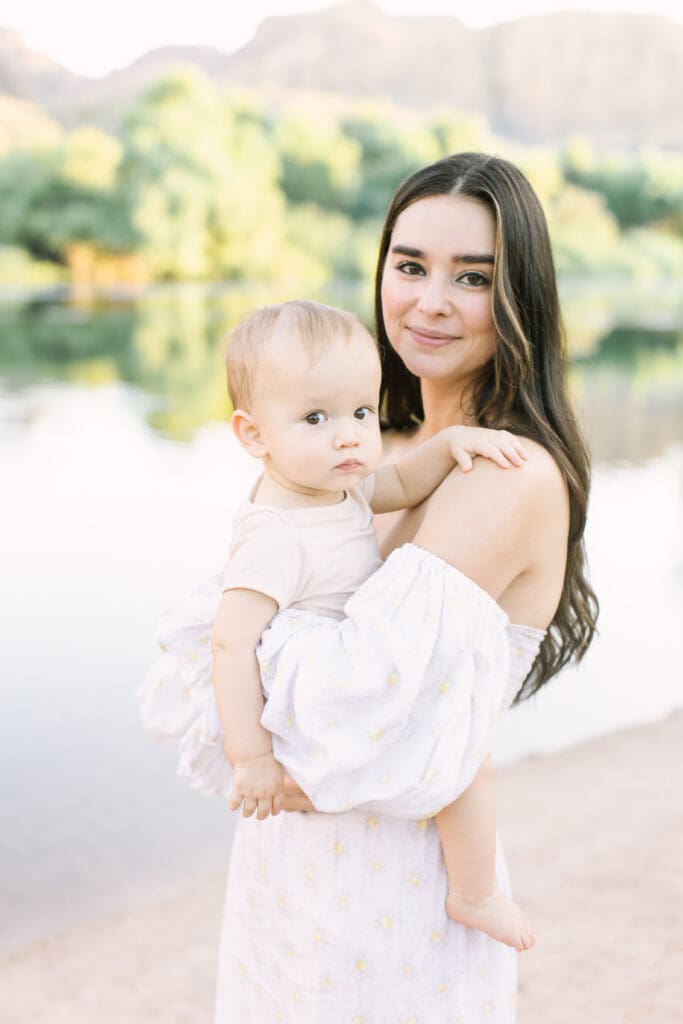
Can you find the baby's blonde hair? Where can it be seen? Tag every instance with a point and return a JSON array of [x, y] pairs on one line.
[[315, 324]]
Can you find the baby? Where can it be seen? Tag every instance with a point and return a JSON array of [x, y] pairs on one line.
[[304, 382]]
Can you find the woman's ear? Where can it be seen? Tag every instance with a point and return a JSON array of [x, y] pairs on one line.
[[247, 433]]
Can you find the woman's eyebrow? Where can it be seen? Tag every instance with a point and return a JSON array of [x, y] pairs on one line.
[[408, 250]]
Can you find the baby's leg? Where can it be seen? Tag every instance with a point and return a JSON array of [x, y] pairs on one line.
[[467, 829]]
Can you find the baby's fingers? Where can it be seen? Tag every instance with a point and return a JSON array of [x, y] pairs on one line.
[[495, 454], [235, 799], [249, 806], [513, 448], [463, 459], [263, 807]]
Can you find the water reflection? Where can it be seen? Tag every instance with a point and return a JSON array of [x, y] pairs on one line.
[[627, 355]]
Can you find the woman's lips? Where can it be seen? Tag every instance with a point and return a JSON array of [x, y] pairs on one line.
[[431, 339]]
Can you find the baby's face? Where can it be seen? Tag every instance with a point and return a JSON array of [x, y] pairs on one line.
[[317, 414]]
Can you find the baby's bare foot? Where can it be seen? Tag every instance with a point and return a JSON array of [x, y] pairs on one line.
[[497, 915]]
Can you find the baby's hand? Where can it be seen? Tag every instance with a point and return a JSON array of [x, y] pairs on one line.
[[500, 446], [259, 784]]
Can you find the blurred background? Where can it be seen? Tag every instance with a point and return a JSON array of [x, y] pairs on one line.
[[157, 184]]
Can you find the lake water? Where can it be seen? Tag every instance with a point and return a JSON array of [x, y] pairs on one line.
[[119, 479]]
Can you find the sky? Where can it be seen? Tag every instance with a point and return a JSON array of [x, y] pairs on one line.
[[93, 38]]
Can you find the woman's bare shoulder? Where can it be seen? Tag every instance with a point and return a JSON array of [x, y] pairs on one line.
[[491, 522], [542, 477]]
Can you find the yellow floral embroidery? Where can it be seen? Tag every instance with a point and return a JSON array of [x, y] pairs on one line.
[[361, 966], [436, 938], [386, 922]]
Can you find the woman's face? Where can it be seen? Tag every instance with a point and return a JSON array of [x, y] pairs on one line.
[[436, 288]]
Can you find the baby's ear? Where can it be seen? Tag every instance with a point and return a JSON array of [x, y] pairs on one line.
[[246, 431]]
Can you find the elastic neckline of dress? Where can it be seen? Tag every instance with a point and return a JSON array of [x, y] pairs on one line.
[[426, 555]]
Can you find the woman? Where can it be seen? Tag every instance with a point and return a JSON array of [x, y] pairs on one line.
[[336, 918]]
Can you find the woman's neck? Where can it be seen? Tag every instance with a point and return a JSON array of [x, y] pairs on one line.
[[444, 406]]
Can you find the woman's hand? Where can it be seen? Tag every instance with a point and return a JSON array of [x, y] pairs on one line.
[[295, 799]]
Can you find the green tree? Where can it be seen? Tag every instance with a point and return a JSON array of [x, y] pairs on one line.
[[205, 179], [641, 189], [51, 198], [390, 150], [319, 163]]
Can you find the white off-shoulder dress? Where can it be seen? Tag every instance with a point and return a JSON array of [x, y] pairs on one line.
[[383, 718]]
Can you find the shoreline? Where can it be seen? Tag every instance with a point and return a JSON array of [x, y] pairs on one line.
[[593, 836]]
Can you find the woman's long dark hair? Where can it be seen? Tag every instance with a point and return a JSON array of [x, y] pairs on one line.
[[523, 387]]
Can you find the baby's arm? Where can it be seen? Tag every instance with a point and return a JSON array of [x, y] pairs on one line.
[[409, 481], [467, 829], [258, 777]]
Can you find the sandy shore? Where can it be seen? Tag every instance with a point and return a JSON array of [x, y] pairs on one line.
[[594, 840]]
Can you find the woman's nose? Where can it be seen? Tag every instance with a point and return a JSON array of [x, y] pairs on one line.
[[435, 297]]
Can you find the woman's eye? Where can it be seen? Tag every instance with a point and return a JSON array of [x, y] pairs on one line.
[[314, 418], [363, 412], [409, 267], [474, 279]]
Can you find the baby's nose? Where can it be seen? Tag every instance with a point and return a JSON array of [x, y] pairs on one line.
[[346, 435]]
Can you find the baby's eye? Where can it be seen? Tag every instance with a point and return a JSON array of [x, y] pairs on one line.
[[474, 279], [314, 418], [363, 412]]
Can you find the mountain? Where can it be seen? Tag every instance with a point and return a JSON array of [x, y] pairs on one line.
[[25, 75], [613, 78]]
